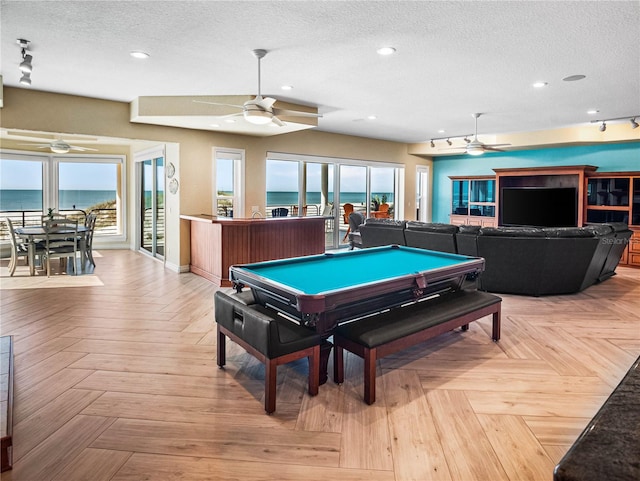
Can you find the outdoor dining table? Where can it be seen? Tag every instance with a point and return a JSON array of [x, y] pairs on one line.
[[34, 233]]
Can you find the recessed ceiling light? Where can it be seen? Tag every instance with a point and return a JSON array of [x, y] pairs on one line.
[[286, 87], [138, 54], [386, 50], [592, 111], [230, 121], [372, 117], [214, 125], [539, 85], [573, 78], [441, 131]]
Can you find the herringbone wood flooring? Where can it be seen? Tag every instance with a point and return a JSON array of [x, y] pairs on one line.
[[116, 379]]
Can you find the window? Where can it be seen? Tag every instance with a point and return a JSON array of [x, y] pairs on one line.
[[282, 187], [91, 187], [32, 184], [21, 187], [316, 185], [228, 182]]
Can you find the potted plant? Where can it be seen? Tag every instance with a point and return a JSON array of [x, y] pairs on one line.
[[375, 200]]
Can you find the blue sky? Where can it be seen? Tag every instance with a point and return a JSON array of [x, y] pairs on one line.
[[27, 175], [283, 177]]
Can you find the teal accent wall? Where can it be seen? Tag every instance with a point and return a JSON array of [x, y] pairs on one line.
[[608, 158]]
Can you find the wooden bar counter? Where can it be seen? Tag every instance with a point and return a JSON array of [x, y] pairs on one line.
[[220, 242]]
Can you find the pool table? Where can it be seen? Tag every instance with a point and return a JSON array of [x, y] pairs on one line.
[[321, 291]]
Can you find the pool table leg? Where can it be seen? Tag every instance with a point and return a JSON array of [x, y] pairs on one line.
[[325, 352]]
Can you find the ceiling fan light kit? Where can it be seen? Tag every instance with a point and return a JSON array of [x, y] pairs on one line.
[[260, 110], [59, 147]]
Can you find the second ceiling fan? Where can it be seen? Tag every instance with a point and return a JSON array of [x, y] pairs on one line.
[[260, 110], [475, 147]]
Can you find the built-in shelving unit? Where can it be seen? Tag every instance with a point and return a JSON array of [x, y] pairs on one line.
[[615, 197], [601, 197], [473, 200]]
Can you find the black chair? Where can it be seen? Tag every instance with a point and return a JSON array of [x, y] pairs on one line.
[[356, 219], [279, 212]]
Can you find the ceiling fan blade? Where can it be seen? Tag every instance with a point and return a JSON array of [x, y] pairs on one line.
[[493, 149], [277, 121], [295, 113], [496, 145], [216, 103], [40, 146], [264, 103], [81, 149]]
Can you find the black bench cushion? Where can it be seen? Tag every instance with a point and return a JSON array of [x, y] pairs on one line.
[[401, 322], [261, 327]]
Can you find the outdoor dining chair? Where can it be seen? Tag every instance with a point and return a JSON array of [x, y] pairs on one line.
[[90, 224], [61, 241]]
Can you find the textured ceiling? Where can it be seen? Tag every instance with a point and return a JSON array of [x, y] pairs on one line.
[[452, 59]]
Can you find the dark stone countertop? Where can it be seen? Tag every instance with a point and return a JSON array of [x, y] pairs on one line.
[[609, 447]]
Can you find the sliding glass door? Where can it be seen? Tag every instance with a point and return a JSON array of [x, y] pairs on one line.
[[151, 228]]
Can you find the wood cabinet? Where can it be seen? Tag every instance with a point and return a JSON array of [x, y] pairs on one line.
[[615, 197], [601, 197], [473, 200]]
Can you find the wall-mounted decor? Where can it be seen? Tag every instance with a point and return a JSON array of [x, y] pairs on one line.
[[173, 186], [171, 170]]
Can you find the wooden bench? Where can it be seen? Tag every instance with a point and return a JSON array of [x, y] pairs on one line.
[[268, 337], [377, 336]]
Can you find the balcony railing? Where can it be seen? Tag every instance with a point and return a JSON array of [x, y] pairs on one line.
[[106, 221]]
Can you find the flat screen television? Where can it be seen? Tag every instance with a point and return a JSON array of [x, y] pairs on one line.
[[540, 207]]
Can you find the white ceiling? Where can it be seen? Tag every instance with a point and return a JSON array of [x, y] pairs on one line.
[[452, 58]]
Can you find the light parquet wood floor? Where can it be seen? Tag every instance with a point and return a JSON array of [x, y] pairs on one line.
[[116, 379]]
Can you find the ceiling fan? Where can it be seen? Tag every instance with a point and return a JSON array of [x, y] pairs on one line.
[[59, 146], [475, 147], [260, 110]]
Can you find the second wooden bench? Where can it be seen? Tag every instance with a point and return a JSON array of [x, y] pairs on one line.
[[375, 337]]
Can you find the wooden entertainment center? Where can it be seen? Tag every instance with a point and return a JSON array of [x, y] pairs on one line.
[[601, 197]]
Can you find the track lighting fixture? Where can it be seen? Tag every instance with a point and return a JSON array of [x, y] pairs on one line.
[[603, 122], [449, 141], [25, 66]]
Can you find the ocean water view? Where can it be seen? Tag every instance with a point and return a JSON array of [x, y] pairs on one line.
[[17, 200], [291, 198], [31, 200]]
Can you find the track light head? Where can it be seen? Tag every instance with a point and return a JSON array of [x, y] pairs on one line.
[[603, 127], [466, 139], [634, 124], [448, 141], [26, 79], [432, 144], [26, 66]]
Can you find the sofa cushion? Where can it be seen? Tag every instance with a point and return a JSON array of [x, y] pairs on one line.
[[567, 232], [599, 229], [469, 229], [511, 232], [432, 227]]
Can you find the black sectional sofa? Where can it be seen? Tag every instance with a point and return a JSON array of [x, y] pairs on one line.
[[518, 260]]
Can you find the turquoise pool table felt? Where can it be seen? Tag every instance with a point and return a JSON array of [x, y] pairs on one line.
[[320, 274]]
